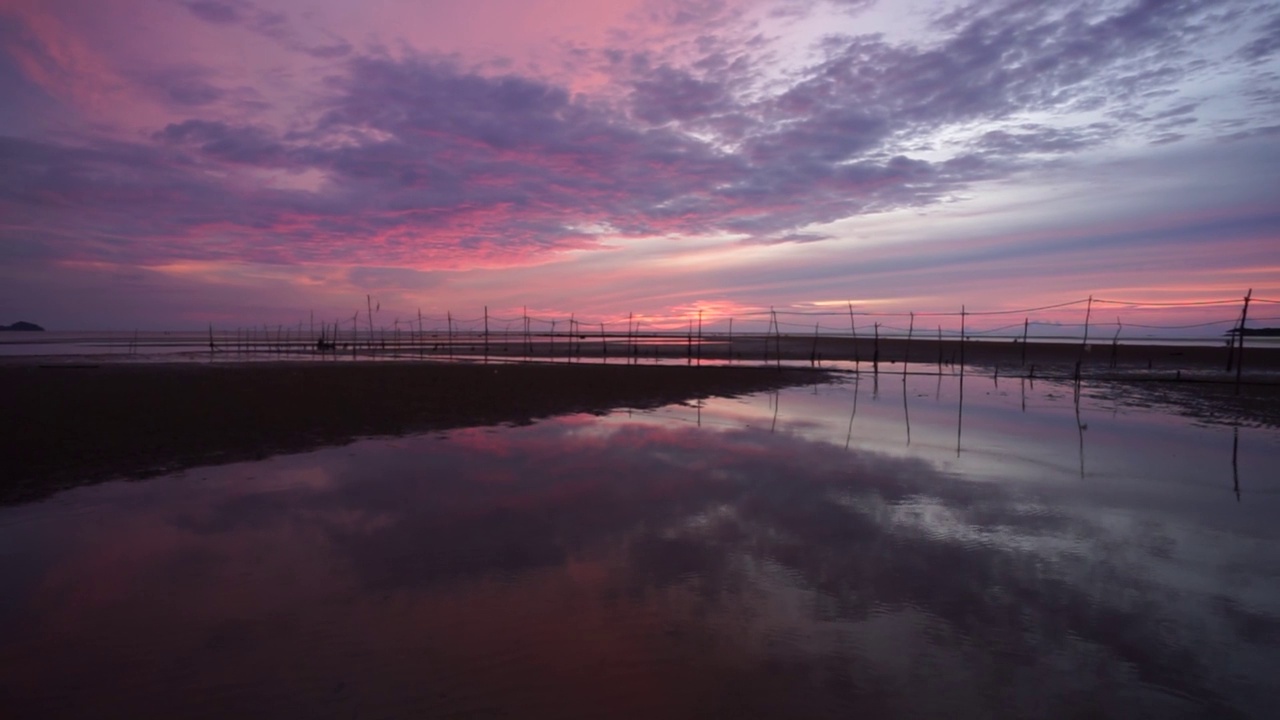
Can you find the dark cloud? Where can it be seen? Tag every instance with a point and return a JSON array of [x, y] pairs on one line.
[[668, 94], [249, 145], [415, 158], [1032, 138], [217, 11]]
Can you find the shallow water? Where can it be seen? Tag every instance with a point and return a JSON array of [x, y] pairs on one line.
[[854, 549]]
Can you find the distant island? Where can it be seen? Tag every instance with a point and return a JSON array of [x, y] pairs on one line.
[[22, 326], [1255, 332]]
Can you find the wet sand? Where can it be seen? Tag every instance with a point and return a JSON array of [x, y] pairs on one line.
[[71, 424]]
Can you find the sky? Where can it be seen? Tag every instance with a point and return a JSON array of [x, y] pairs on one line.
[[166, 164]]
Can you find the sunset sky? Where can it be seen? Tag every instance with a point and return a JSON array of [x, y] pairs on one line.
[[169, 163]]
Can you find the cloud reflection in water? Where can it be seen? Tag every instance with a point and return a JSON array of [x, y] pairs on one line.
[[637, 566]]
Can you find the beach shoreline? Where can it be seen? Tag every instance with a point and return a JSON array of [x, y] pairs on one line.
[[81, 419]]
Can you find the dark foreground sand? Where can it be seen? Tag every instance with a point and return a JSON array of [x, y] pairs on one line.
[[68, 425]]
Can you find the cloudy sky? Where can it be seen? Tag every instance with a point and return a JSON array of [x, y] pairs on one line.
[[166, 163]]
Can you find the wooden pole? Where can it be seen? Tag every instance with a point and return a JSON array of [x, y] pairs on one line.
[[875, 350], [906, 349], [486, 333], [730, 339], [1026, 324], [448, 316], [939, 351], [368, 301], [1244, 315], [777, 333], [631, 343], [853, 328], [767, 333], [1115, 343], [962, 314], [813, 354], [1084, 342], [699, 337]]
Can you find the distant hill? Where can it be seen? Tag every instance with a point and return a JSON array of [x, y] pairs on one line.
[[22, 326], [1256, 332]]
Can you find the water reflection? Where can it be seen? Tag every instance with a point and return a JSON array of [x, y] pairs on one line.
[[733, 558]]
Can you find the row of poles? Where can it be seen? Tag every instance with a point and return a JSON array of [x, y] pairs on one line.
[[330, 337]]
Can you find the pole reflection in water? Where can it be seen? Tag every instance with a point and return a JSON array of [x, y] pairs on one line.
[[630, 566], [1235, 461]]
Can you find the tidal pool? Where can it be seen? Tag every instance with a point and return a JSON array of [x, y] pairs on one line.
[[856, 549]]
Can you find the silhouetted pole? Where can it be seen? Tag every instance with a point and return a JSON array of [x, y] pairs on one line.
[[906, 352], [1026, 324], [777, 333], [699, 337], [486, 333], [1084, 342], [1115, 342], [1244, 315], [962, 314], [813, 354], [875, 350], [448, 315], [853, 328], [939, 351]]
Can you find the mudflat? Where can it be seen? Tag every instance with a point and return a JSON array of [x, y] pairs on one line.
[[70, 424]]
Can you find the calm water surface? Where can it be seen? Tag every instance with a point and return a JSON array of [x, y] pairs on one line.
[[859, 549]]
